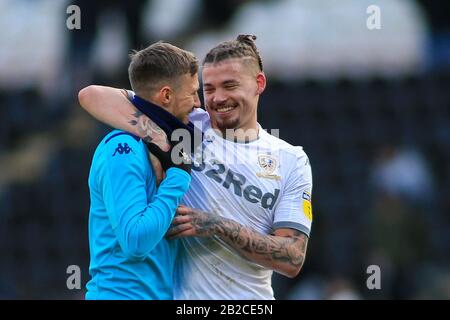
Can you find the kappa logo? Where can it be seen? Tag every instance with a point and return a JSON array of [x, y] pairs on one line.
[[123, 149]]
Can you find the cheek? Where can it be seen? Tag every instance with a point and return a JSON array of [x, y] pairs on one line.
[[188, 104], [207, 100], [240, 97], [185, 102]]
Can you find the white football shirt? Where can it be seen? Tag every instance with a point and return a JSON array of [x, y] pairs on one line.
[[264, 184]]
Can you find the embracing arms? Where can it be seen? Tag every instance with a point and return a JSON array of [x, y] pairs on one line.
[[112, 107], [284, 251]]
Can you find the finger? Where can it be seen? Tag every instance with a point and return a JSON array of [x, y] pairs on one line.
[[181, 219], [184, 234], [178, 229], [161, 141], [163, 145], [182, 210], [157, 135]]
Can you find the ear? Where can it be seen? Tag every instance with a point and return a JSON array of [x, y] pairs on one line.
[[165, 95], [261, 82]]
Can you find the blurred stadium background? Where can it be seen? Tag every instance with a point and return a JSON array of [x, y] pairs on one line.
[[370, 107]]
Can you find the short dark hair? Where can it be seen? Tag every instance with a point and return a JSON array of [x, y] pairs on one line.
[[157, 63], [242, 47]]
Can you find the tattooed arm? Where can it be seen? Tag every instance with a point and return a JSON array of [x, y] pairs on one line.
[[112, 107], [284, 251]]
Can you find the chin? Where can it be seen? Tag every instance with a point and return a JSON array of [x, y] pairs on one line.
[[185, 120], [230, 124]]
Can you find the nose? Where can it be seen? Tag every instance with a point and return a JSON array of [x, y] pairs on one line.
[[219, 97], [197, 103]]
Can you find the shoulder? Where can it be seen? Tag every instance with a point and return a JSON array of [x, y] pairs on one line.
[[120, 154], [283, 148], [292, 160], [121, 142], [117, 135]]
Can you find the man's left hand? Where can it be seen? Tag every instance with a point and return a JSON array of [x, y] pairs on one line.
[[190, 222]]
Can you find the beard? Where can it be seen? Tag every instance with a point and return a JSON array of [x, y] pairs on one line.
[[224, 124]]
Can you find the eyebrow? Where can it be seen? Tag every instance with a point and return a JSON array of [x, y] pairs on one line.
[[223, 83], [230, 82]]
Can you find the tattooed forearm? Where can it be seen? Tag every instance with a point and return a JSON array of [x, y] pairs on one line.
[[136, 115], [288, 250], [284, 254], [149, 131]]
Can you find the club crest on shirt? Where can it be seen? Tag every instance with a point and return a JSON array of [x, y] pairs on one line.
[[268, 165]]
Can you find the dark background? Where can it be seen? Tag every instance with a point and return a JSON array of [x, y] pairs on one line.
[[377, 134]]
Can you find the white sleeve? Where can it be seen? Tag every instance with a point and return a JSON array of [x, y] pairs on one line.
[[294, 209]]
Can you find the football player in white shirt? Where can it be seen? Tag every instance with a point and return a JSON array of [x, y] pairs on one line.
[[248, 210]]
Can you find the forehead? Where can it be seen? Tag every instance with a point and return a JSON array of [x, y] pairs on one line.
[[223, 70], [187, 81]]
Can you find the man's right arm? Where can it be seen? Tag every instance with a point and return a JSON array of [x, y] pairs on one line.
[[112, 107]]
